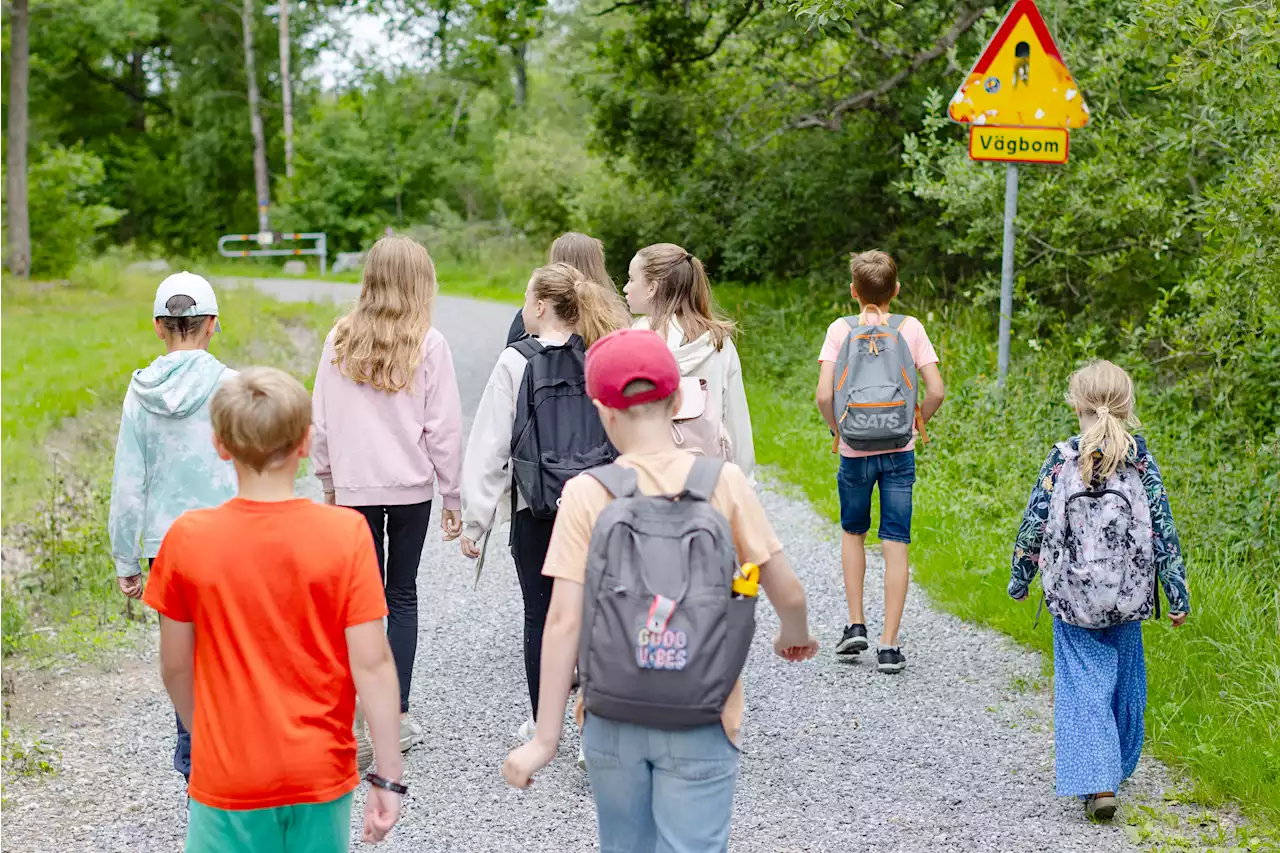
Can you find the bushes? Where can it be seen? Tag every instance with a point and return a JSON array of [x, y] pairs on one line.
[[64, 188]]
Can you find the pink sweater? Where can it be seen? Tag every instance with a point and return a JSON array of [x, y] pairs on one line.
[[375, 448]]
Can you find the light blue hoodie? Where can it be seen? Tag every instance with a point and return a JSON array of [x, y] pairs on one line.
[[165, 461]]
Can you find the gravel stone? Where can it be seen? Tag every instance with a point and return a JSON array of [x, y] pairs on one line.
[[946, 756]]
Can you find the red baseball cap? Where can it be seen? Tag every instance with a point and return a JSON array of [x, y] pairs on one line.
[[626, 356]]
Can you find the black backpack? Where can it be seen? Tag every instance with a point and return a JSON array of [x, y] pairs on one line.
[[557, 433]]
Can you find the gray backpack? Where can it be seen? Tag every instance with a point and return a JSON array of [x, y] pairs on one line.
[[663, 639], [875, 386], [1097, 562]]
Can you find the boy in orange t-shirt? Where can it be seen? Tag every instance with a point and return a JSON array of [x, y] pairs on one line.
[[271, 613]]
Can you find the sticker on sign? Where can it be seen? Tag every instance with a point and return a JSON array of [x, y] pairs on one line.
[[1018, 144]]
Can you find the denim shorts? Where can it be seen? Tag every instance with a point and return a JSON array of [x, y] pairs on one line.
[[896, 474]]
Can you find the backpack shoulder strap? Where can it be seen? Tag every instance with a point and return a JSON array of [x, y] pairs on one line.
[[853, 321], [528, 347], [618, 480], [896, 321], [701, 482]]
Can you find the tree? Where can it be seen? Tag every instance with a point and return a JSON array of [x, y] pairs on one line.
[[260, 180], [286, 89], [19, 75]]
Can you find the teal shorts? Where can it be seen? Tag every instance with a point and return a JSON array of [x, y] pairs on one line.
[[306, 828]]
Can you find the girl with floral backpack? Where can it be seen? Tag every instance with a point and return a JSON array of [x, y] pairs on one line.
[[1099, 530]]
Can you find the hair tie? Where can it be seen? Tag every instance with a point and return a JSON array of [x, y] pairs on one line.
[[688, 257], [1101, 410]]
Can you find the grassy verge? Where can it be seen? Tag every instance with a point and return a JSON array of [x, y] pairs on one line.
[[1213, 685], [68, 353]]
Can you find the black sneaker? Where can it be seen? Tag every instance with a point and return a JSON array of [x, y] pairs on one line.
[[853, 640], [891, 660]]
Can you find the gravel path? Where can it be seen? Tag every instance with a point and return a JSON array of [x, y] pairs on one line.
[[953, 754]]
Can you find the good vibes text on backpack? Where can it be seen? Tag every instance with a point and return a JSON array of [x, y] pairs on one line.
[[663, 639], [875, 385], [1097, 562], [557, 433]]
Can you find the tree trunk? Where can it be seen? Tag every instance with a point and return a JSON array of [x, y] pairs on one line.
[[286, 88], [260, 183], [518, 51], [19, 225]]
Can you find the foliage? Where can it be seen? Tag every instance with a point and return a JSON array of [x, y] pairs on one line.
[[64, 185], [27, 758]]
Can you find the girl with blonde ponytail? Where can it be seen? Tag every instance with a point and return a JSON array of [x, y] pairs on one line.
[[1099, 530], [564, 312], [585, 254]]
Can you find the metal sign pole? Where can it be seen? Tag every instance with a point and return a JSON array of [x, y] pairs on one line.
[[1006, 268]]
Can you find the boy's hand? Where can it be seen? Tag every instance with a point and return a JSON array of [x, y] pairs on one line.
[[1178, 619], [469, 549], [526, 760], [795, 652], [331, 498], [381, 810], [131, 586], [451, 524]]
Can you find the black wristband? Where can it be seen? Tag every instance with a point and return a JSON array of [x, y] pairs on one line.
[[386, 784]]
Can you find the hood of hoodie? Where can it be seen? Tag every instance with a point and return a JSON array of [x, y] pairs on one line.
[[689, 355], [177, 384]]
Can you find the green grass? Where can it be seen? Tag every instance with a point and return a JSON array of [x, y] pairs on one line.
[[1214, 685], [69, 350]]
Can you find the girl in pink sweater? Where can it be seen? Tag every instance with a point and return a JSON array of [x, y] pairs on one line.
[[388, 431]]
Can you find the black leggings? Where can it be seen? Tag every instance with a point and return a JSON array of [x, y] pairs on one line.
[[405, 528], [529, 540]]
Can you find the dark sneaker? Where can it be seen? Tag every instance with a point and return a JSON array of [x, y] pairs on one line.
[[853, 641], [891, 659], [1101, 806]]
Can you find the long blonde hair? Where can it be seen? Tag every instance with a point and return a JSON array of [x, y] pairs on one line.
[[579, 302], [380, 341], [682, 295], [1104, 390]]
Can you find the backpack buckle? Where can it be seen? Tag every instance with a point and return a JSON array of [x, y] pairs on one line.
[[660, 613]]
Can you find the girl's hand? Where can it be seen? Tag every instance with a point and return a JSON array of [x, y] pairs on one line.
[[469, 549], [451, 524], [1177, 619], [526, 760], [795, 653]]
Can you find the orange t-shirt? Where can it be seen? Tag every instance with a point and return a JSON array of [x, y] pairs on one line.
[[270, 589]]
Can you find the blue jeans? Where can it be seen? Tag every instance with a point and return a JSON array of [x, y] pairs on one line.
[[182, 750], [896, 474], [660, 791]]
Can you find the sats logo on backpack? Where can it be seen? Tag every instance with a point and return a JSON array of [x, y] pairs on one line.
[[876, 420], [666, 649]]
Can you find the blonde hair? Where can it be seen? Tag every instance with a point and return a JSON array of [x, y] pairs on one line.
[[380, 341], [875, 276], [1104, 390], [682, 295], [261, 416], [579, 302]]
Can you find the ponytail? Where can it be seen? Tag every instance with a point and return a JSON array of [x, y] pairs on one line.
[[1105, 391], [682, 295], [580, 302]]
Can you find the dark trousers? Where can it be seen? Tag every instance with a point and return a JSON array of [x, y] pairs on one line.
[[182, 750], [404, 529], [530, 538]]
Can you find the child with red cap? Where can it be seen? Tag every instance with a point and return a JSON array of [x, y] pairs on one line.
[[666, 616]]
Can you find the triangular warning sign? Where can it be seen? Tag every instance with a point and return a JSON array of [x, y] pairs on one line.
[[1020, 80]]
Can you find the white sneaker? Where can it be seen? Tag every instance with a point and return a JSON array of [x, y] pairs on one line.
[[582, 759], [526, 730], [410, 734]]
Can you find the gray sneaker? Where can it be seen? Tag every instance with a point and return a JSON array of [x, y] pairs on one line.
[[364, 748]]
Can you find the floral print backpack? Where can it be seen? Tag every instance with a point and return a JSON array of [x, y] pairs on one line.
[[1098, 558]]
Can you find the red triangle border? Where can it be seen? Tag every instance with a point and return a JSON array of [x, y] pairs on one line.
[[1015, 14]]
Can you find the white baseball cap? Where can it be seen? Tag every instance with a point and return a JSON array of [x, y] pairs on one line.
[[191, 285]]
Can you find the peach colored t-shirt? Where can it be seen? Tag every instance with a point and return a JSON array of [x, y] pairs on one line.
[[661, 473], [922, 352]]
